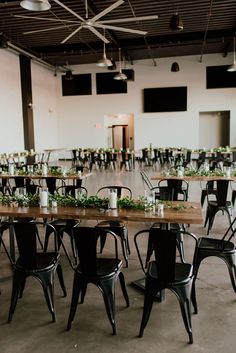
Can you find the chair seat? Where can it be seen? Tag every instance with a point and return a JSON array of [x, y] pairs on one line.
[[215, 244], [43, 261], [228, 204], [183, 272], [105, 267]]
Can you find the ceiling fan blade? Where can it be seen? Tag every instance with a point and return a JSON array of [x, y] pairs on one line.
[[121, 29], [108, 9], [48, 29], [131, 19], [44, 19], [98, 34], [72, 34], [69, 10]]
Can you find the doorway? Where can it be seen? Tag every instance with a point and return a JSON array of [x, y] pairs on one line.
[[119, 131], [214, 129], [120, 137]]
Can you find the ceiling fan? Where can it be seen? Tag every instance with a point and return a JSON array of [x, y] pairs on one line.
[[91, 23]]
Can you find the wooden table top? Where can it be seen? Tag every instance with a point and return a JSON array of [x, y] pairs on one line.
[[40, 176], [192, 214], [192, 177]]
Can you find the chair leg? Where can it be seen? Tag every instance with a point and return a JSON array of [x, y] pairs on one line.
[[61, 279], [123, 287], [48, 288], [77, 285], [150, 293], [203, 196], [180, 246], [193, 297], [107, 289], [233, 197], [18, 279], [230, 261], [183, 295]]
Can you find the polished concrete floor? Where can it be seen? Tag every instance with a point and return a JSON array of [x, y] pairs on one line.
[[31, 329]]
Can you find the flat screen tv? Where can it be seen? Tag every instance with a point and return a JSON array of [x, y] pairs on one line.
[[79, 85], [164, 99], [106, 84], [219, 77]]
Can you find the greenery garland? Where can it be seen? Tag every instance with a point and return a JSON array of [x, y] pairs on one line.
[[33, 200]]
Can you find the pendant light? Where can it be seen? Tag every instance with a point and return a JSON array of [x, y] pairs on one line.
[[176, 23], [69, 76], [175, 67], [104, 62], [232, 68], [120, 76], [35, 5]]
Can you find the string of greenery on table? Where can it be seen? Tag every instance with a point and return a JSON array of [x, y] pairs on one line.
[[194, 172], [53, 170], [30, 200]]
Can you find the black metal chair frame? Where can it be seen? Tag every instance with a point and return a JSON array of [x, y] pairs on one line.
[[220, 204], [179, 186], [100, 271], [64, 225], [222, 248], [31, 262], [165, 273], [117, 227]]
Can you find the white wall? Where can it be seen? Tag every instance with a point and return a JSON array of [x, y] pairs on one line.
[[11, 123], [78, 115], [44, 107], [67, 122]]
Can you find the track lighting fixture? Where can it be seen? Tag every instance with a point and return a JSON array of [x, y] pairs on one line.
[[175, 67], [120, 76], [104, 62], [35, 5], [176, 23], [68, 75]]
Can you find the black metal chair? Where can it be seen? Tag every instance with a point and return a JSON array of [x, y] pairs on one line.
[[209, 189], [32, 262], [220, 203], [117, 227], [64, 225], [180, 187], [222, 248], [163, 272], [126, 161], [100, 271], [72, 190]]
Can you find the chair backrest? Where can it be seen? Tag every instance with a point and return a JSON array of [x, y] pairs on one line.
[[72, 190], [146, 180], [51, 184], [163, 244], [166, 193], [221, 192], [26, 237], [86, 239], [177, 185], [122, 191]]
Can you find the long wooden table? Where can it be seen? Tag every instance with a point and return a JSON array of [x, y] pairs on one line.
[[41, 176], [160, 176], [191, 214]]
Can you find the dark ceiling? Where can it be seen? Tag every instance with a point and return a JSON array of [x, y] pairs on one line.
[[208, 27]]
